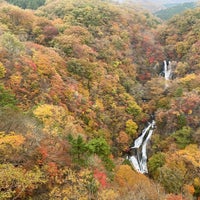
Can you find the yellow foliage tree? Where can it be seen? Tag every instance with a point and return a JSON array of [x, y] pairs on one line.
[[56, 119], [108, 194], [16, 182], [126, 177], [134, 186], [191, 154], [13, 139], [188, 81], [2, 70], [131, 127], [10, 144], [80, 186]]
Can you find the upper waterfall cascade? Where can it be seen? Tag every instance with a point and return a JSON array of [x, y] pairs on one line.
[[167, 70]]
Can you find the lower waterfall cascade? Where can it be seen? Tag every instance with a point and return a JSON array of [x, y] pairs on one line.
[[138, 157]]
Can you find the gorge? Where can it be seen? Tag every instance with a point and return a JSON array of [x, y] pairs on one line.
[[79, 81], [137, 153]]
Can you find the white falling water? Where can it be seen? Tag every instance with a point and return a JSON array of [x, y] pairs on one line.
[[139, 140], [139, 160], [167, 70]]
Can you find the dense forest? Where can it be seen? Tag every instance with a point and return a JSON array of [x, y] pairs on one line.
[[79, 80], [173, 9]]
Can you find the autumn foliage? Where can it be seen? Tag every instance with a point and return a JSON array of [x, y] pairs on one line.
[[79, 80]]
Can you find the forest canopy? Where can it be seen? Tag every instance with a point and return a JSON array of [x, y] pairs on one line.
[[79, 81]]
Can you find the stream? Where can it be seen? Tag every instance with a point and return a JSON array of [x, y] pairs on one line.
[[137, 153]]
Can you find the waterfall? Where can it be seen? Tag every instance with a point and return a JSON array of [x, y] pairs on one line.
[[167, 70], [137, 153], [138, 159]]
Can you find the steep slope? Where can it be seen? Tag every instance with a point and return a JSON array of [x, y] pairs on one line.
[[177, 109], [65, 83], [79, 81], [181, 39], [174, 9]]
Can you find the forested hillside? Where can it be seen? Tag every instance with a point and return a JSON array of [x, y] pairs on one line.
[[27, 4], [174, 9], [79, 80]]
